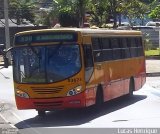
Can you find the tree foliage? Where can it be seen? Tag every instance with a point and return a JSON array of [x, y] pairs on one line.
[[133, 9], [72, 12], [67, 18], [21, 10], [155, 13], [99, 11]]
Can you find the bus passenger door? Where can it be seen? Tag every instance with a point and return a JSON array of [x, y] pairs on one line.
[[98, 61]]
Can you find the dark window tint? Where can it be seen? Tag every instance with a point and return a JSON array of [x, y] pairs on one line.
[[123, 43], [96, 43], [126, 53], [140, 51], [125, 49], [98, 57], [139, 41], [117, 54], [107, 54], [88, 56], [105, 43], [134, 52], [132, 42], [114, 42]]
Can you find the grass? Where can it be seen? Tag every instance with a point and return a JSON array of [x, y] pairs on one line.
[[152, 52]]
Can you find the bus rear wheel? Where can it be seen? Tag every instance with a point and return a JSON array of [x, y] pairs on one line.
[[131, 87]]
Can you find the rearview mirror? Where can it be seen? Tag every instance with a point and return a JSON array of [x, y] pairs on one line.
[[5, 60]]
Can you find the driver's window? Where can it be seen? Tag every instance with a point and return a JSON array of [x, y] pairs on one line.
[[88, 56]]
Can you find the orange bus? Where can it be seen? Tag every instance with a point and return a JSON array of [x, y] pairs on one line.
[[75, 68]]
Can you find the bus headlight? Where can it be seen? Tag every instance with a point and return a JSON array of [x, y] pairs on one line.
[[22, 94], [75, 91]]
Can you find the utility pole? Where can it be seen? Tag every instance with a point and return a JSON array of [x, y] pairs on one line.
[[7, 36]]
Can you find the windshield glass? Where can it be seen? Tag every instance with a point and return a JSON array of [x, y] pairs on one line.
[[46, 64]]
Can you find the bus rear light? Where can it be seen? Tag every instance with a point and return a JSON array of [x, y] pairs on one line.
[[22, 94], [75, 91]]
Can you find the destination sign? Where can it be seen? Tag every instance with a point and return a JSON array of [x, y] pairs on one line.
[[46, 37]]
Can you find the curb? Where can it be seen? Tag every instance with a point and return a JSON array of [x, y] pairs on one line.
[[155, 74], [156, 57]]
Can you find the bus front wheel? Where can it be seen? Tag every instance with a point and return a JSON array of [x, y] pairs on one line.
[[41, 113], [99, 96]]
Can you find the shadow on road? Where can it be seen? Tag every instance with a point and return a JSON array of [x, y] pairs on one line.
[[73, 117]]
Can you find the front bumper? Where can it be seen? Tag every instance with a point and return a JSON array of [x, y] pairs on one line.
[[77, 101]]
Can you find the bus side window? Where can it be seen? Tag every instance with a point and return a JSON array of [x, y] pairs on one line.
[[133, 46], [106, 49], [95, 43], [140, 47], [88, 60], [97, 49], [115, 43], [88, 57], [125, 49]]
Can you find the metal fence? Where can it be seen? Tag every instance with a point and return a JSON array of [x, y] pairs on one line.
[[151, 36]]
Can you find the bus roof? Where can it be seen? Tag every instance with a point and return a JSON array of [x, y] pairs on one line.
[[85, 31]]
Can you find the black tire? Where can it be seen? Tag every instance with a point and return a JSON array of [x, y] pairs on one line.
[[131, 87], [99, 97], [41, 113]]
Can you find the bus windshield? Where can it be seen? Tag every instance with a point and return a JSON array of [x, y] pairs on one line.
[[46, 64]]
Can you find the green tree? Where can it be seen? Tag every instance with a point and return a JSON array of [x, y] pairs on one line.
[[155, 13], [73, 9], [99, 11], [133, 9], [20, 10], [67, 18]]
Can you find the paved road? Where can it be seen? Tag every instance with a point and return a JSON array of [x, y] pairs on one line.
[[140, 111]]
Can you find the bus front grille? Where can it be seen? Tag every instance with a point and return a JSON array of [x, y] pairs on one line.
[[48, 104], [47, 90]]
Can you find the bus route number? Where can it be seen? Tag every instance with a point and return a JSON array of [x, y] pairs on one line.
[[74, 80]]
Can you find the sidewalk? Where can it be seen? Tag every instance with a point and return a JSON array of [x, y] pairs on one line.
[[153, 67], [1, 59], [5, 126]]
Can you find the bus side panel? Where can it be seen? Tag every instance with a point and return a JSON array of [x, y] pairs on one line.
[[113, 73], [143, 73], [90, 93], [126, 85], [138, 81], [90, 96], [134, 68], [107, 92], [143, 79], [113, 91], [140, 70]]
